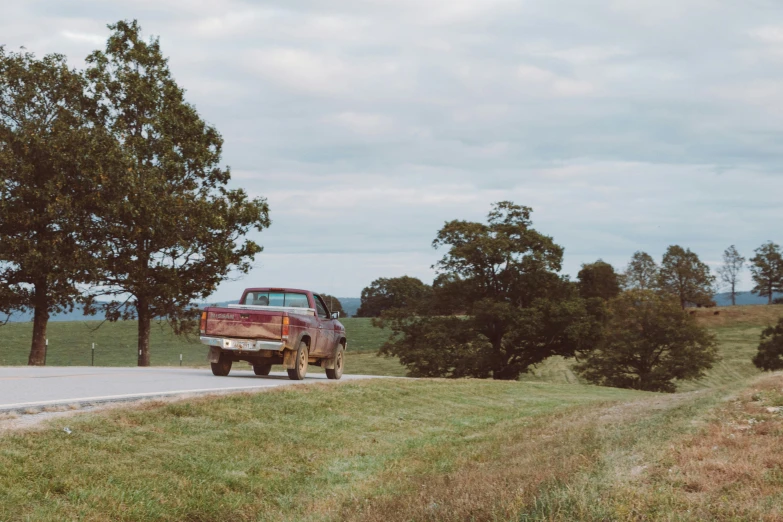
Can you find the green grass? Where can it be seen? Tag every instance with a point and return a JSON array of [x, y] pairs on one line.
[[293, 454], [547, 448], [391, 450], [362, 336]]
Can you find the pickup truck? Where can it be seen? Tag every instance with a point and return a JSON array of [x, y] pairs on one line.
[[275, 326]]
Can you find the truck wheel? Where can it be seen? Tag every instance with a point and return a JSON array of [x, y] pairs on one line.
[[223, 366], [339, 357], [302, 357], [262, 368]]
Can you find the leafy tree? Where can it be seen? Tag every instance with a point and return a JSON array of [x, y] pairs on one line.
[[395, 292], [333, 303], [503, 276], [52, 162], [598, 280], [767, 269], [641, 273], [770, 354], [178, 231], [684, 275], [648, 344], [729, 273]]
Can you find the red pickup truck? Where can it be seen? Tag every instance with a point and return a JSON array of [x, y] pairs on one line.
[[275, 326]]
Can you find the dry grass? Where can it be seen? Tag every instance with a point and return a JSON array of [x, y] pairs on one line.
[[514, 473], [732, 469], [748, 315]]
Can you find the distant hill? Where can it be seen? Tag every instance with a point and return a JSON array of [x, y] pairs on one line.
[[743, 298], [350, 305]]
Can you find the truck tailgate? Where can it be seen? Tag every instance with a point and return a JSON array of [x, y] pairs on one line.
[[244, 324]]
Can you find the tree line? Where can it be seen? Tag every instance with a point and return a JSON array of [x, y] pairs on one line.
[[498, 306], [112, 188]]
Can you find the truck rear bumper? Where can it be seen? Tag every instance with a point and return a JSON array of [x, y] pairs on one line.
[[242, 345]]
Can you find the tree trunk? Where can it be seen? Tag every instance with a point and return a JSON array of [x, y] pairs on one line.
[[769, 301], [40, 320], [733, 295], [143, 312]]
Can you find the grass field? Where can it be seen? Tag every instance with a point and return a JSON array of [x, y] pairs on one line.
[[409, 450], [547, 448]]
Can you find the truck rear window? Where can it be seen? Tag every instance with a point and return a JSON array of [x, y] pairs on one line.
[[276, 299]]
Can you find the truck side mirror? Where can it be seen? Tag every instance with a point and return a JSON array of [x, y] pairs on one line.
[[335, 315]]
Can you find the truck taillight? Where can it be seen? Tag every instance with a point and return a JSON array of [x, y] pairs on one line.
[[203, 326], [285, 326]]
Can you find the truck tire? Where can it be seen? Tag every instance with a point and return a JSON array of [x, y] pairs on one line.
[[302, 359], [223, 366], [262, 368], [339, 360]]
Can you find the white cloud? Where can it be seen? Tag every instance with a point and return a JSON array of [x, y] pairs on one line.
[[95, 39]]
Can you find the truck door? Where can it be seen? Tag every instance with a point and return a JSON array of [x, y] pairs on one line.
[[325, 338]]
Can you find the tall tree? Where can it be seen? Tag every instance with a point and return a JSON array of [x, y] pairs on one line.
[[394, 292], [178, 232], [685, 276], [598, 280], [515, 309], [729, 273], [648, 344], [641, 273], [52, 162], [333, 303], [767, 269]]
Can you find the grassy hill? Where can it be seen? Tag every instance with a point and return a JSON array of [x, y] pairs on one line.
[[549, 448], [402, 450]]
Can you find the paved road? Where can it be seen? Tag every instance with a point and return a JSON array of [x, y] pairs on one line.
[[23, 387]]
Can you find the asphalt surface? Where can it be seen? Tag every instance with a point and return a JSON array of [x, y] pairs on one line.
[[24, 387]]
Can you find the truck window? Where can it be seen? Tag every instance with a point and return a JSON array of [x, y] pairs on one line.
[[276, 299], [321, 307], [296, 300]]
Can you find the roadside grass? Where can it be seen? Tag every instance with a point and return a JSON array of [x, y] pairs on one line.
[[401, 450], [315, 452], [705, 460]]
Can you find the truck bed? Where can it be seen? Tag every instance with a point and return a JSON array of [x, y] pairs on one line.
[[245, 322]]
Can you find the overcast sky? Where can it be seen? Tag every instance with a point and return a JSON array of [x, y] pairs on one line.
[[626, 124]]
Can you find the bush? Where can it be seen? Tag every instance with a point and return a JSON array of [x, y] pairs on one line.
[[770, 354], [649, 342]]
